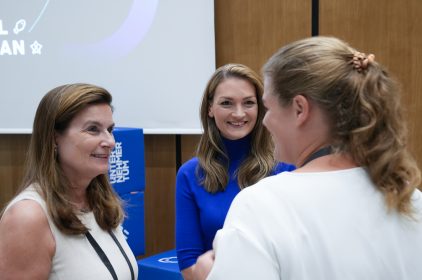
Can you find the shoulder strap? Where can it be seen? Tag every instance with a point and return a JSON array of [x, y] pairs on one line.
[[101, 254]]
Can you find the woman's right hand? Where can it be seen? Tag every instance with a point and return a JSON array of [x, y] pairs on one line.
[[203, 265]]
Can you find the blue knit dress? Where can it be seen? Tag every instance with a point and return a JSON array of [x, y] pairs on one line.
[[199, 214]]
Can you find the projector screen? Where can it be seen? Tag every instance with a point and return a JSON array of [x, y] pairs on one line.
[[154, 56]]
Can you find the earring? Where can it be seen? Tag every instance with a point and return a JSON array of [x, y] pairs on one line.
[[55, 151]]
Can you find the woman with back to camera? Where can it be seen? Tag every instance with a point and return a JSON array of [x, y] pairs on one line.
[[235, 151], [351, 210], [66, 214]]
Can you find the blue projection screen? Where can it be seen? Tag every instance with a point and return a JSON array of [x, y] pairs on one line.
[[154, 56]]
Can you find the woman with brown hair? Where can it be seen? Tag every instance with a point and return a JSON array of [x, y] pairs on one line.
[[352, 209], [235, 151], [64, 222]]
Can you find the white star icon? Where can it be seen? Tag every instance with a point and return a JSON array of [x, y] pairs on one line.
[[36, 47]]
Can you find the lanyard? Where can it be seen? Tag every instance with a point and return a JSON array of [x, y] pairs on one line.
[[104, 258], [319, 153]]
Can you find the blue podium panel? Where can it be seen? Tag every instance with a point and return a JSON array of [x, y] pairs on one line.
[[127, 161], [160, 266], [134, 223]]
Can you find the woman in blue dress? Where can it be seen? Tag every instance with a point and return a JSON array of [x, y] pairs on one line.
[[235, 151]]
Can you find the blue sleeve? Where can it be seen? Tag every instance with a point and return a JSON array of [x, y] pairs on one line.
[[189, 239], [282, 167]]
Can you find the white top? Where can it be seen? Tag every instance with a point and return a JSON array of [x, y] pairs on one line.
[[75, 258], [322, 225]]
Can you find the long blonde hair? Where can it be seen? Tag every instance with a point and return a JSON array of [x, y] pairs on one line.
[[55, 112], [213, 160], [363, 108]]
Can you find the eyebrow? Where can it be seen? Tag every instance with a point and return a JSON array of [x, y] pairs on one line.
[[250, 97], [229, 98], [91, 122]]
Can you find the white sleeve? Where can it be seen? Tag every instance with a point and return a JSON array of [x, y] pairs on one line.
[[239, 257], [240, 249]]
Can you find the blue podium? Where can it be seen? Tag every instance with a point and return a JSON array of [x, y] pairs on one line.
[[160, 266]]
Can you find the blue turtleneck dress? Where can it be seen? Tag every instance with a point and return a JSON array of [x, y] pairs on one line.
[[199, 214]]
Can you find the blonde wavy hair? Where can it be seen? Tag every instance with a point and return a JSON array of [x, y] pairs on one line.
[[213, 160], [363, 108], [54, 114]]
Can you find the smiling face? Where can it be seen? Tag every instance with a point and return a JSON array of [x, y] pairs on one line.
[[84, 146], [234, 108]]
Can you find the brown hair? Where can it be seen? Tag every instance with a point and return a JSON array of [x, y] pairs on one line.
[[363, 108], [213, 172], [54, 114]]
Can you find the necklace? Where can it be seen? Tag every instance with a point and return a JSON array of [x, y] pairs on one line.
[[319, 153]]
